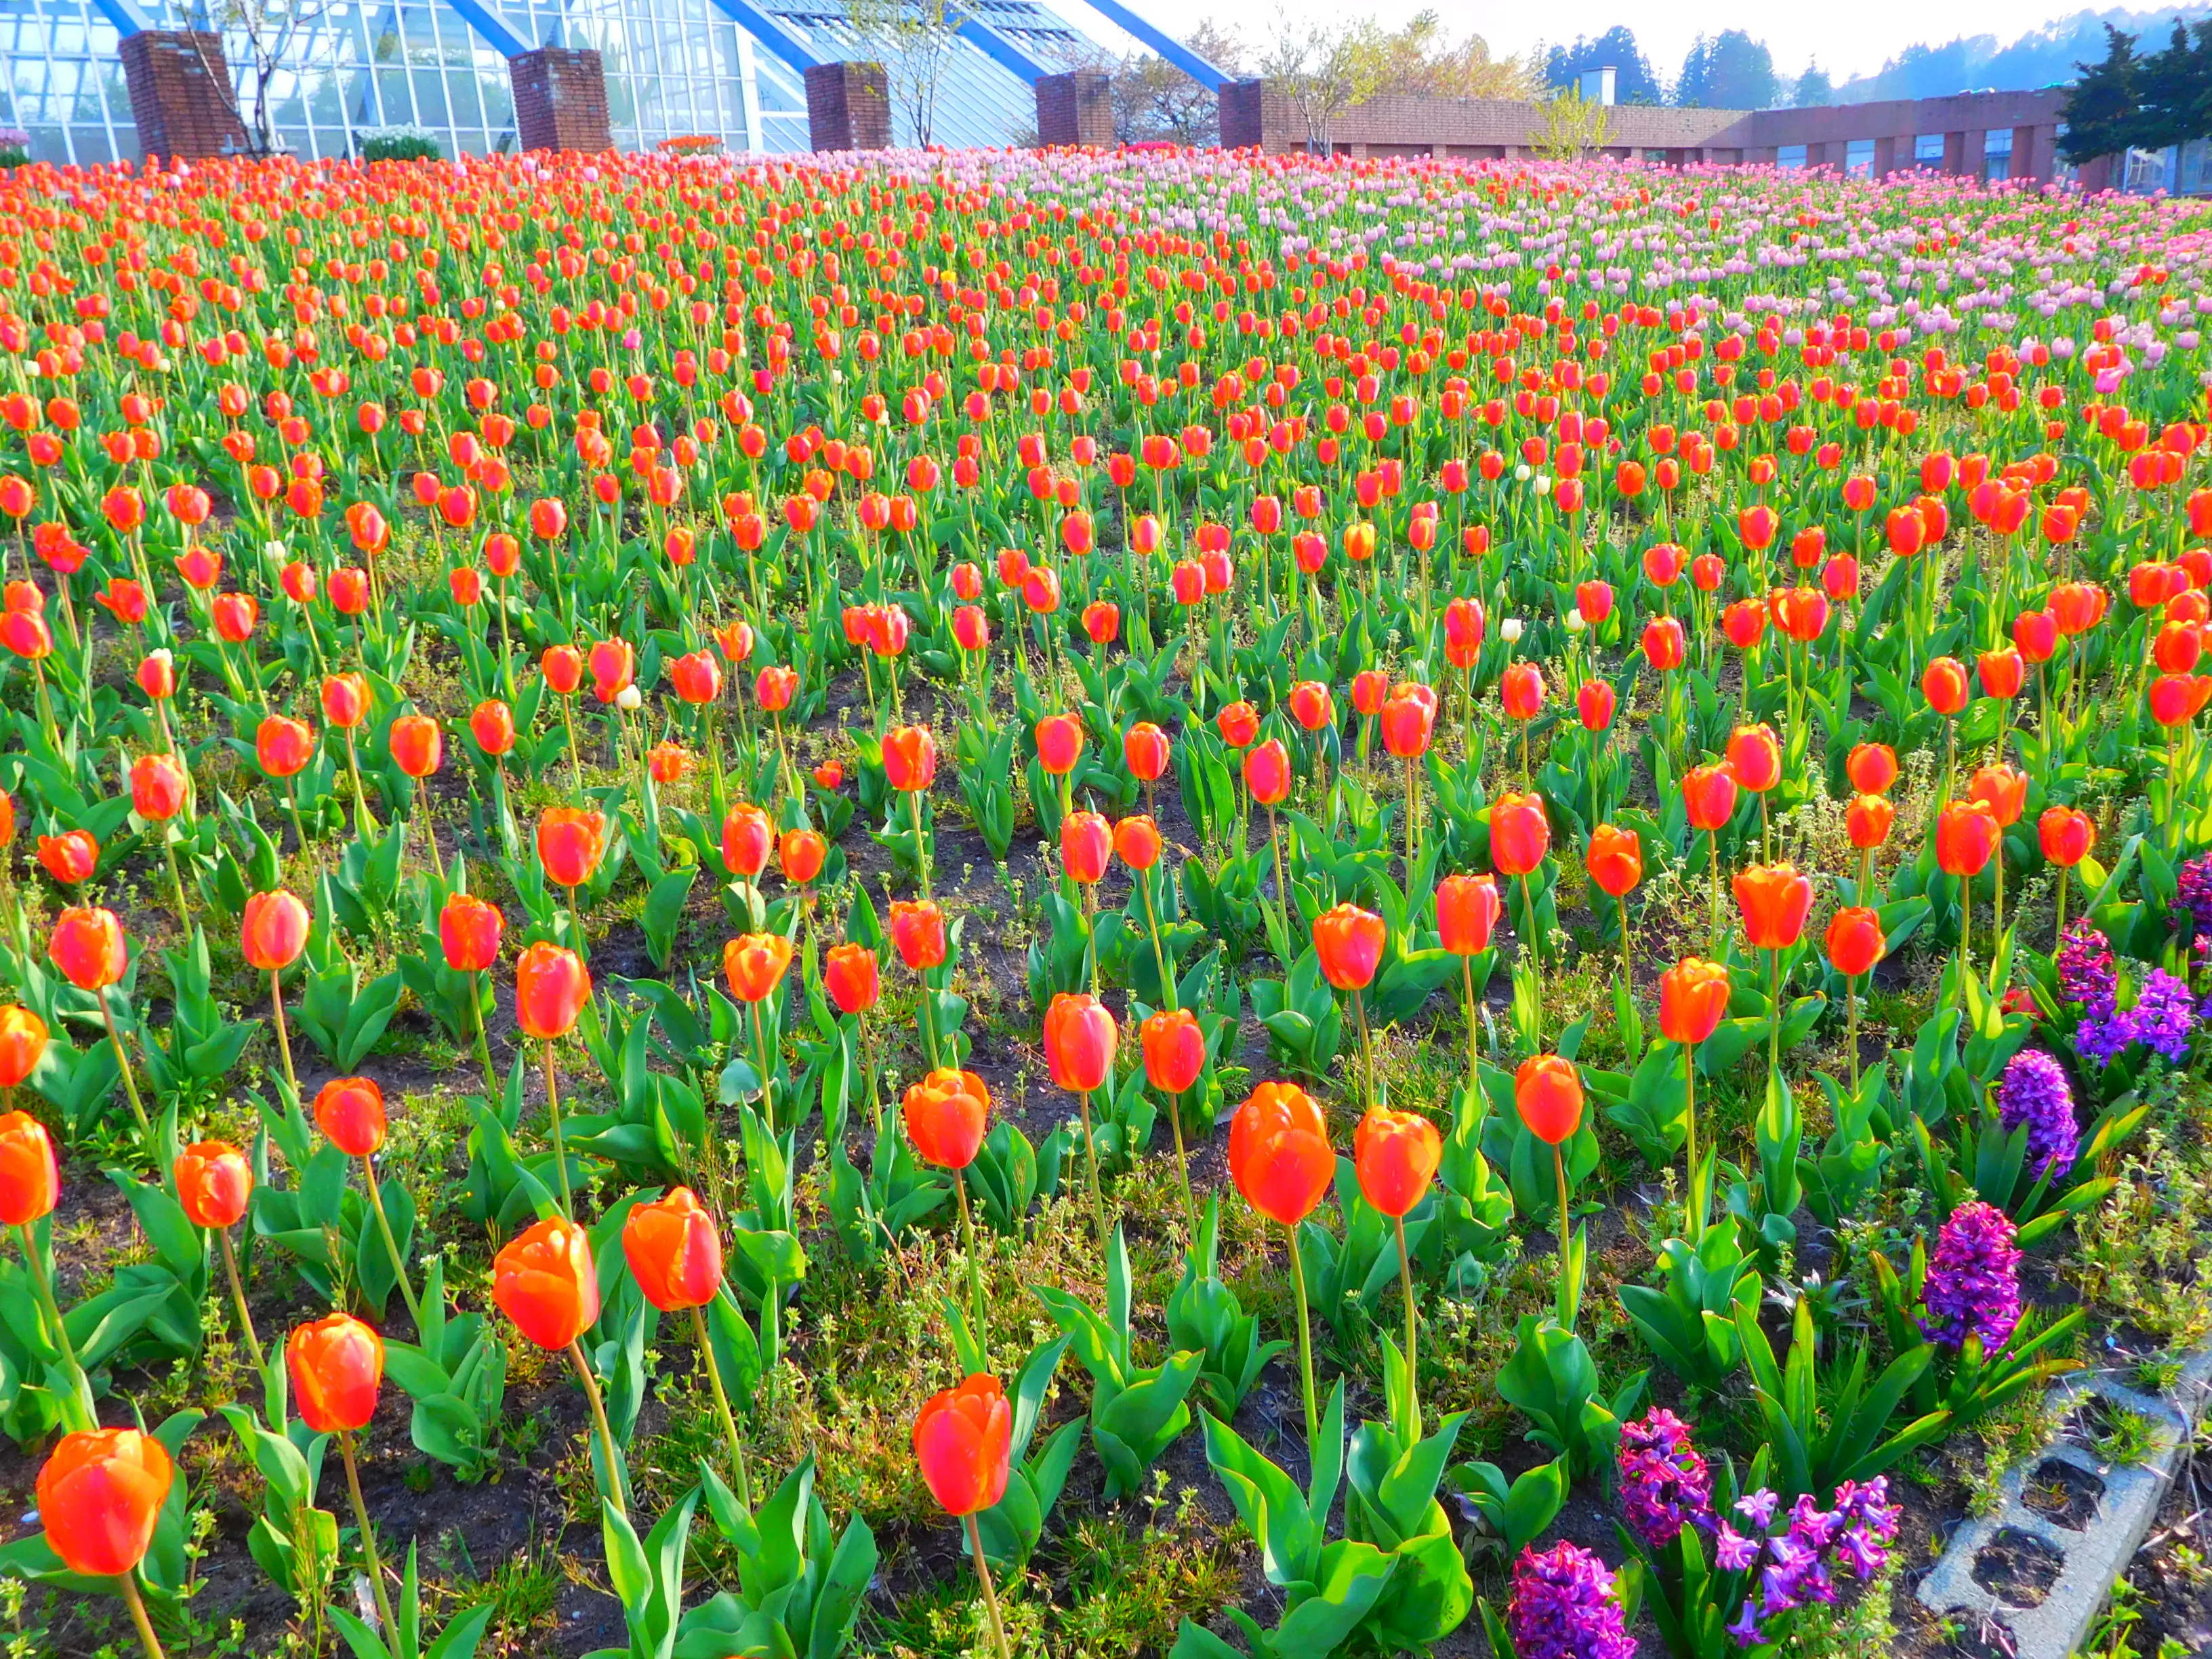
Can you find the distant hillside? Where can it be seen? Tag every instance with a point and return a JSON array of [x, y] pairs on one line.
[[2039, 59]]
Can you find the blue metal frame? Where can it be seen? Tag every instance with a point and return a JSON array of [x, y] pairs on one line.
[[125, 14], [770, 32], [1002, 50], [490, 25], [1165, 43]]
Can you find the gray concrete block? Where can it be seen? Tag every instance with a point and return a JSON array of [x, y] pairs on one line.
[[2091, 1558]]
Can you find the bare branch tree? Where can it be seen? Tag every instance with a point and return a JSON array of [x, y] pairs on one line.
[[913, 39], [269, 28]]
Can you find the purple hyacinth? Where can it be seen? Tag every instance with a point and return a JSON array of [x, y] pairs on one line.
[[1664, 1482], [2193, 890], [1973, 1279], [2164, 1016], [2034, 1091], [1564, 1607], [2085, 973]]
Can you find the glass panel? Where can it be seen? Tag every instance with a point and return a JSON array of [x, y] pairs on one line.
[[1790, 155]]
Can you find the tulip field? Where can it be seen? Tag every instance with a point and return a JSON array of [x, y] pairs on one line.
[[1083, 904]]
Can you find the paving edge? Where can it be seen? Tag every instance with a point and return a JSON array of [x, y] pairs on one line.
[[2095, 1556]]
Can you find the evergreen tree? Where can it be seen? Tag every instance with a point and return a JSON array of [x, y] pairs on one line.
[[1731, 72], [2172, 88], [2102, 109], [1634, 82], [1814, 88]]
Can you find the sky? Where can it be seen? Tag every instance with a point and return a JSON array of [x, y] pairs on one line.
[[1798, 34]]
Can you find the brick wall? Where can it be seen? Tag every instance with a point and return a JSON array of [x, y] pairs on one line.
[[848, 107], [560, 100], [180, 96], [1076, 108]]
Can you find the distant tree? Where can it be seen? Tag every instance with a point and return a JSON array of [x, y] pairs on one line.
[[1635, 83], [2101, 110], [1323, 69], [1422, 61], [1814, 87], [2172, 88], [1729, 71], [1154, 102], [1573, 127]]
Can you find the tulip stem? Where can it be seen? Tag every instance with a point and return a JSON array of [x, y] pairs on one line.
[[1090, 1168], [1412, 1374], [990, 1596], [391, 1244], [1693, 1198], [974, 1263], [722, 1407], [1366, 1046], [575, 763], [1305, 1343], [920, 846], [1183, 1159], [123, 1065], [176, 881], [606, 1434], [1851, 1023], [1774, 1013], [361, 821], [127, 1586], [760, 1050], [368, 1537], [560, 1150], [1473, 1052], [276, 1005], [1559, 1171], [44, 1282], [1282, 894], [1713, 865], [1152, 926], [484, 1045], [238, 1297], [2059, 930]]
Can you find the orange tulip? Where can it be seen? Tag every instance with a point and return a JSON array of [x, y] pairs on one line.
[[674, 1251], [22, 1043], [1866, 820], [947, 1114], [1467, 908], [1615, 859], [86, 945], [1774, 901], [1855, 941], [2067, 836], [1395, 1155], [1349, 942], [274, 931], [551, 986], [1278, 1152], [570, 840], [1080, 1041], [543, 1280], [1709, 796], [918, 933], [468, 931], [850, 974], [349, 1111], [99, 1495], [30, 1179], [755, 964], [1693, 996], [1967, 836], [2002, 789], [1547, 1092], [1519, 834], [214, 1183], [69, 857], [962, 1438], [336, 1366], [747, 836], [1175, 1050]]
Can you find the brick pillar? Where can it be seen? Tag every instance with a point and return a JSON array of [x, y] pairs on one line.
[[2035, 153], [848, 107], [180, 95], [1076, 108], [1241, 113], [560, 100], [2101, 172]]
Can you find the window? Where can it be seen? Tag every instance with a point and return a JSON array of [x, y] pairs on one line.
[[1928, 150], [1996, 155], [1790, 155], [1858, 158]]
